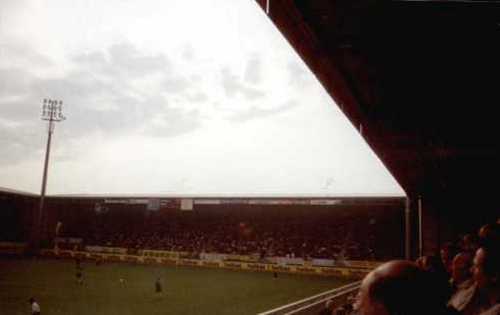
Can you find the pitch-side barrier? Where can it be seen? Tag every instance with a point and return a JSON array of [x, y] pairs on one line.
[[313, 304]]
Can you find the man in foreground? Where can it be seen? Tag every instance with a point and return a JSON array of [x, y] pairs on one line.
[[400, 288]]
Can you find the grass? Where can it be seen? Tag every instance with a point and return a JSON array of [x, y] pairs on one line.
[[186, 291]]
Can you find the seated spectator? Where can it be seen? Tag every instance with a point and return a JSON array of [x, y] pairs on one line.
[[399, 288], [339, 311], [420, 262], [348, 308], [448, 251], [431, 263], [327, 310], [470, 243], [462, 282], [486, 273], [489, 235], [434, 266]]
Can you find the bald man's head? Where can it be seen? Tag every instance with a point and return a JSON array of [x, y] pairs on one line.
[[398, 287]]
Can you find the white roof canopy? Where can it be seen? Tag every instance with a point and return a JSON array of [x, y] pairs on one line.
[[171, 97]]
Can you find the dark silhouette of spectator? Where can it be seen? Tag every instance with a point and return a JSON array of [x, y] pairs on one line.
[[399, 288], [327, 310], [420, 262], [339, 311], [489, 235], [470, 243], [462, 282], [348, 308], [434, 266], [486, 273], [461, 268], [447, 252]]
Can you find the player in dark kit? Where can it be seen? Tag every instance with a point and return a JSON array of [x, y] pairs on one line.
[[79, 272], [79, 276], [158, 286]]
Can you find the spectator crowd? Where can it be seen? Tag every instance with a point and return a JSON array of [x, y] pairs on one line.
[[319, 234], [463, 279]]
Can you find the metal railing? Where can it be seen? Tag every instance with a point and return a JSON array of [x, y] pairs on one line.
[[313, 304]]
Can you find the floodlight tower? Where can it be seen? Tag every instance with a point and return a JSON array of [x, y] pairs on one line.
[[51, 112]]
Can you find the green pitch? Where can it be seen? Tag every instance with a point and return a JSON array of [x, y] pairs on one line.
[[186, 291]]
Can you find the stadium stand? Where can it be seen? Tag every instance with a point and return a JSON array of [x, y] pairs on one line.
[[304, 232]]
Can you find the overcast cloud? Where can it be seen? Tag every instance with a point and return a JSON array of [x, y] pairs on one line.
[[184, 97]]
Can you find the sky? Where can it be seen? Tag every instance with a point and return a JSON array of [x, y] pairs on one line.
[[188, 97]]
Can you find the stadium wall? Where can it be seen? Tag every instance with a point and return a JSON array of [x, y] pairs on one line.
[[12, 248], [16, 215]]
